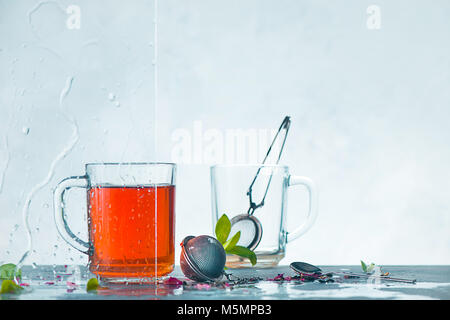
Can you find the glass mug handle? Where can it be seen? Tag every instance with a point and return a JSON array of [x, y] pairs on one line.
[[312, 213], [59, 212]]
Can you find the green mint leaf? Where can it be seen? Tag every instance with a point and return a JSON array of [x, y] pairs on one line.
[[92, 285], [223, 228], [9, 271], [231, 243], [244, 252], [370, 267], [9, 286], [363, 266]]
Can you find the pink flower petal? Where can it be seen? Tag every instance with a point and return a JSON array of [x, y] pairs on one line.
[[201, 286], [173, 281]]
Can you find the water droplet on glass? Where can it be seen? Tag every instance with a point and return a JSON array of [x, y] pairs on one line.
[[111, 96], [25, 130]]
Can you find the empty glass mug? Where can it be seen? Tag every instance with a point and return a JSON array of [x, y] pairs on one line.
[[263, 228], [131, 219]]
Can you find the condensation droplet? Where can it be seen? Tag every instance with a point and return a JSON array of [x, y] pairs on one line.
[[25, 130]]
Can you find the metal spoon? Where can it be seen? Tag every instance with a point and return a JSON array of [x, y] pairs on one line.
[[303, 267]]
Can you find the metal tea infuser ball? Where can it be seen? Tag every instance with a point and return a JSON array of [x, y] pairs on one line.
[[250, 226], [202, 258]]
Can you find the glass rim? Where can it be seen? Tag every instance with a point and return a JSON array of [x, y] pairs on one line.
[[250, 165], [113, 164]]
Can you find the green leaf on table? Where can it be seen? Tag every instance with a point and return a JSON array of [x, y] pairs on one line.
[[367, 268], [9, 271], [223, 228], [231, 243], [92, 285], [363, 266], [370, 268], [9, 286], [244, 252]]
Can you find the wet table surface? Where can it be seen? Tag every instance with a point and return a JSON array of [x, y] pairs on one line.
[[69, 282]]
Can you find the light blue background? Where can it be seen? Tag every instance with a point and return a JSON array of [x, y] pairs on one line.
[[370, 112]]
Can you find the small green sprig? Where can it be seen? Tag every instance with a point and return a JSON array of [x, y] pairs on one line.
[[9, 286], [367, 268], [9, 271], [92, 285], [8, 274], [222, 231]]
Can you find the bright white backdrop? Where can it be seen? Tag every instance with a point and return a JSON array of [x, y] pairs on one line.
[[366, 84]]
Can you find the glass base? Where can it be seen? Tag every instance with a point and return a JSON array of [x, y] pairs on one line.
[[127, 274], [131, 280], [264, 260]]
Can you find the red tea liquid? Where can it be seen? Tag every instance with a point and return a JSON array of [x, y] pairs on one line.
[[132, 231]]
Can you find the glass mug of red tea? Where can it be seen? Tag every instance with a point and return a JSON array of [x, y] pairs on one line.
[[131, 219]]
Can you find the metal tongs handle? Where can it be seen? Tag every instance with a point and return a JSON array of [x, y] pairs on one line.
[[280, 135]]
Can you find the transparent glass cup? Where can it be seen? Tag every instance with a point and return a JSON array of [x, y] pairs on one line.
[[131, 219], [229, 187]]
